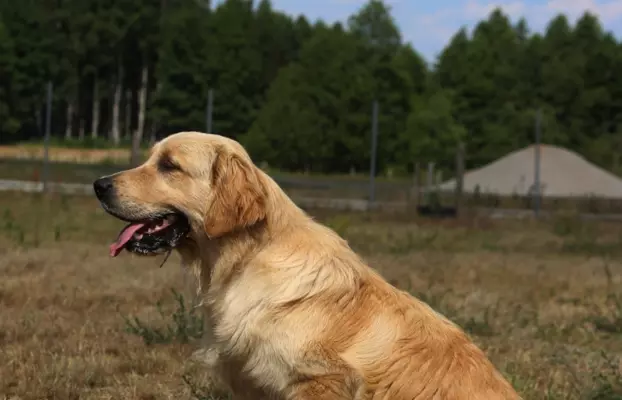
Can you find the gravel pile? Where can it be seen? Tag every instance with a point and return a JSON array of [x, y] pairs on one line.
[[563, 173]]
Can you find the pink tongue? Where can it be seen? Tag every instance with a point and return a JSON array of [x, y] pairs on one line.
[[123, 238]]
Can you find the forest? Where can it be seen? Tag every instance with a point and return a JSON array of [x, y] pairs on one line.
[[299, 93]]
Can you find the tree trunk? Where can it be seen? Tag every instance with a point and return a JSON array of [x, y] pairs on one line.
[[39, 117], [95, 119], [142, 105], [152, 133], [154, 124], [81, 129], [69, 120], [128, 113], [115, 132]]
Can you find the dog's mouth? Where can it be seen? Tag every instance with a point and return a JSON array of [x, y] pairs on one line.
[[152, 236]]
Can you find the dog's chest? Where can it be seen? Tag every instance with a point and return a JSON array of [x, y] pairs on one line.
[[255, 344], [255, 362]]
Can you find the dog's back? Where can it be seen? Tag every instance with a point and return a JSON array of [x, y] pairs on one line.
[[408, 351]]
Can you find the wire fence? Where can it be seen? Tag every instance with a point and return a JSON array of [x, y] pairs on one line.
[[359, 192], [342, 193], [427, 192], [423, 194]]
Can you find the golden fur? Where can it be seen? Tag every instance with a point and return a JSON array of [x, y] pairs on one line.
[[293, 312]]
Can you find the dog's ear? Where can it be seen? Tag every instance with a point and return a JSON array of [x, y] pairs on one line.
[[239, 197]]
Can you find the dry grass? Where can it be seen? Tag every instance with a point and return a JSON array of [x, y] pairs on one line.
[[542, 300], [61, 154]]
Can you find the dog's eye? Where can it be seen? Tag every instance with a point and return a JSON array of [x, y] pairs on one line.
[[167, 165]]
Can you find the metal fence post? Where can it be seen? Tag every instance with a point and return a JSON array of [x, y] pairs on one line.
[[210, 106], [459, 176], [374, 145], [536, 179], [46, 139]]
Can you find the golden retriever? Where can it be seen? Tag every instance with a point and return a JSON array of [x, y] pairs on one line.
[[293, 312]]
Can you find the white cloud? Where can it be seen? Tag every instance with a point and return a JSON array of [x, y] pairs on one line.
[[360, 3], [476, 10], [442, 24], [609, 11]]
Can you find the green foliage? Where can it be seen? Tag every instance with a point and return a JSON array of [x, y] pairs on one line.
[[184, 325], [299, 95], [201, 393], [340, 224], [431, 130]]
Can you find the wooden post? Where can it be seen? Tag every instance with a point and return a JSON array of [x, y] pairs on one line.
[[459, 177], [46, 138], [417, 185], [536, 179], [429, 184]]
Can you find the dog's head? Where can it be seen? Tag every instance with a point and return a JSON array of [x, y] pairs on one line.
[[192, 185]]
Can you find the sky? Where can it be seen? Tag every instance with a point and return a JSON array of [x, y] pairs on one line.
[[429, 24]]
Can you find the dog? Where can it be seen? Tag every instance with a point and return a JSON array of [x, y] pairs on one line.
[[293, 312]]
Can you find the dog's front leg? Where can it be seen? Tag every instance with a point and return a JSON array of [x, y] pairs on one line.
[[327, 377], [208, 356], [341, 386], [210, 361]]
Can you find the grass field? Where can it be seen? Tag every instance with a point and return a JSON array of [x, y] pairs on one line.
[[543, 300]]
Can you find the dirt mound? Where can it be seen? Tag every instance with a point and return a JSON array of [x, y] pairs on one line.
[[563, 173]]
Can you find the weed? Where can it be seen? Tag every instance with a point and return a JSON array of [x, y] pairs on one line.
[[610, 322], [586, 245], [7, 217], [567, 225], [409, 241], [339, 224], [435, 299], [12, 228], [64, 202], [185, 325], [604, 384], [479, 326], [201, 393]]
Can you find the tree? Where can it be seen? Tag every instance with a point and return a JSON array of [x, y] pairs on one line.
[[432, 133], [30, 28], [489, 94], [374, 24], [276, 38], [595, 59], [561, 76], [234, 66], [335, 91], [452, 72], [8, 123], [287, 131], [300, 94], [182, 74]]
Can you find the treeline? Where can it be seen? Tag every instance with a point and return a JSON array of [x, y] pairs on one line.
[[298, 93]]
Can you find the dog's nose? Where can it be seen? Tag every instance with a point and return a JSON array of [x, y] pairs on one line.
[[103, 187]]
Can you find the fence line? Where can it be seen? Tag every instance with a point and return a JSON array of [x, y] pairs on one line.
[[335, 204], [84, 189]]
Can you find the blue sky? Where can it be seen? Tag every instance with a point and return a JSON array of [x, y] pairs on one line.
[[429, 24]]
